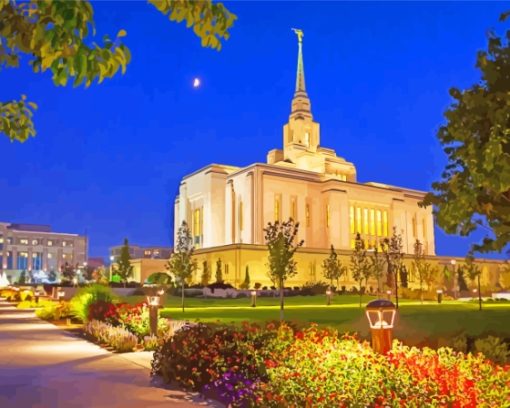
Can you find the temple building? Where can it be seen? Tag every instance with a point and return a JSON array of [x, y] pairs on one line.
[[227, 207]]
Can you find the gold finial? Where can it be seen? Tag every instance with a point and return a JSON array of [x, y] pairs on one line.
[[299, 33]]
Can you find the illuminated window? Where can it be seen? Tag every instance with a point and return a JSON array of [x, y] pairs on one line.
[[23, 241], [351, 219], [414, 226], [50, 256], [64, 256], [147, 253], [35, 242], [277, 210], [293, 209], [358, 219], [22, 260], [307, 215], [49, 243], [328, 216], [385, 223], [378, 222], [64, 243], [365, 221], [241, 215], [196, 223], [372, 221], [1, 240]]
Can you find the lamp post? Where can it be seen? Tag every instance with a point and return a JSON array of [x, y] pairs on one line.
[[381, 317], [153, 302], [439, 295], [253, 298], [37, 293], [112, 258], [328, 296], [388, 293], [60, 294]]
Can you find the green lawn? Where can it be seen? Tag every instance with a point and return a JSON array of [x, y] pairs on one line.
[[416, 323]]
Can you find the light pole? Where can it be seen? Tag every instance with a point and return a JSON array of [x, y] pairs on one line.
[[153, 302], [253, 298], [439, 295], [112, 258], [381, 317], [328, 296]]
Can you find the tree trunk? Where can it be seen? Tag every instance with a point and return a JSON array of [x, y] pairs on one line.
[[360, 293], [396, 288], [182, 296], [281, 301], [421, 292], [479, 294]]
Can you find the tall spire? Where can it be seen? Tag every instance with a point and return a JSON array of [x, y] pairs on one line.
[[300, 76], [301, 106]]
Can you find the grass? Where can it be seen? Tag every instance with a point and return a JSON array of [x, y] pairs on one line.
[[416, 323]]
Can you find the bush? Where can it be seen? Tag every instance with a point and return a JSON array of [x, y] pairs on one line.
[[54, 311], [198, 355], [314, 288], [103, 311], [493, 348], [150, 343], [88, 295], [118, 338], [135, 318], [287, 367], [31, 304]]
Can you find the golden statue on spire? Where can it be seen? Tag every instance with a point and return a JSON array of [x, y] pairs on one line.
[[299, 33]]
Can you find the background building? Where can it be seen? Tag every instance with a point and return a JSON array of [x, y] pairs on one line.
[[145, 260], [37, 250], [137, 252]]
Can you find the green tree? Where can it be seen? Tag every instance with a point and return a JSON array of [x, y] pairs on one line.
[[332, 267], [474, 273], [219, 271], [281, 241], [360, 265], [181, 262], [430, 274], [392, 249], [474, 190], [124, 267], [68, 272], [246, 283], [377, 268], [206, 274], [419, 265], [58, 36], [22, 279]]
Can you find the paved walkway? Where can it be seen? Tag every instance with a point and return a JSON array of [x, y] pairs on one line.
[[42, 366]]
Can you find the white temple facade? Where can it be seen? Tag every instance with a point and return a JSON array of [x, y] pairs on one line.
[[228, 205]]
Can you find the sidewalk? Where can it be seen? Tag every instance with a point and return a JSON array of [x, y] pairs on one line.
[[46, 367]]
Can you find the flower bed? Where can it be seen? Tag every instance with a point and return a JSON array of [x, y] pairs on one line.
[[283, 367]]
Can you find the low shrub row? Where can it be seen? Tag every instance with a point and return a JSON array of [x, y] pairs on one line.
[[278, 366], [118, 338]]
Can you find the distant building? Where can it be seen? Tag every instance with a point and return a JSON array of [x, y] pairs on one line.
[[145, 260], [138, 252], [38, 250], [95, 262]]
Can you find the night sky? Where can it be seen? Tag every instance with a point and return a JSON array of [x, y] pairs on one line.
[[107, 160]]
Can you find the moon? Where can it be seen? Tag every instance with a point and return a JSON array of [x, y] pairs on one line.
[[196, 83]]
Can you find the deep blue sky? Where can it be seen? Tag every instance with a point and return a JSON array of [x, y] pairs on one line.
[[107, 160]]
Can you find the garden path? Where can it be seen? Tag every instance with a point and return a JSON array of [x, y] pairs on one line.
[[42, 366]]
